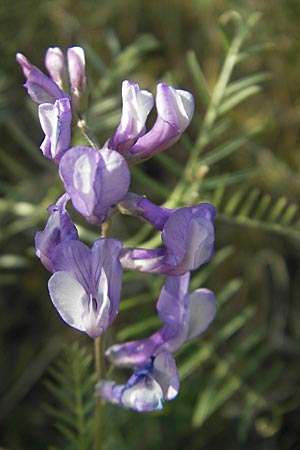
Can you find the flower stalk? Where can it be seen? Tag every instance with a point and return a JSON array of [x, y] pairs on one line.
[[99, 412]]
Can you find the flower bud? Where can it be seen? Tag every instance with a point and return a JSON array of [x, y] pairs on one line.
[[56, 66], [78, 78]]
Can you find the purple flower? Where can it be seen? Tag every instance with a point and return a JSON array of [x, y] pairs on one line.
[[59, 228], [56, 123], [175, 108], [184, 316], [86, 285], [187, 235], [147, 388], [95, 180], [137, 104], [56, 66]]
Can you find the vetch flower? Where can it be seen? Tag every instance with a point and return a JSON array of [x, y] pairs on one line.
[[55, 121], [175, 108], [187, 235], [59, 228], [184, 315], [137, 104], [86, 285], [148, 387], [95, 180]]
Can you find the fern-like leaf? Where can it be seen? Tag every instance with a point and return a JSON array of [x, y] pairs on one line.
[[71, 382]]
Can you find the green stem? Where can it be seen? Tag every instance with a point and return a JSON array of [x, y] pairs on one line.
[[99, 413], [100, 372], [88, 134]]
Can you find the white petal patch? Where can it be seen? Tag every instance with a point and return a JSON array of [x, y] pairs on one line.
[[68, 297], [83, 173], [49, 120], [104, 310], [137, 104]]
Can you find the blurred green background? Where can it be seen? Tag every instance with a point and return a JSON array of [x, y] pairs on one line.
[[240, 387]]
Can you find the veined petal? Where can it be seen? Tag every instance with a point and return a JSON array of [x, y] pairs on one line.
[[90, 180], [202, 310], [74, 257], [137, 104], [68, 297], [56, 122]]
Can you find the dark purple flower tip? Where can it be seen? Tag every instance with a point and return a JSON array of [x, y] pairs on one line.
[[59, 228], [95, 180], [175, 108], [26, 65], [148, 387], [188, 238], [184, 316], [86, 285], [137, 104], [56, 65], [56, 123], [42, 89]]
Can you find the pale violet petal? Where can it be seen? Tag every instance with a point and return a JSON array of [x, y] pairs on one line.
[[202, 311], [166, 374], [174, 106], [55, 64]]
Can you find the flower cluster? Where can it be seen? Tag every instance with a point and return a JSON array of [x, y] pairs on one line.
[[85, 283]]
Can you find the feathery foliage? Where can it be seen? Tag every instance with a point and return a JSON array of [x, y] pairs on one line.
[[71, 381]]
